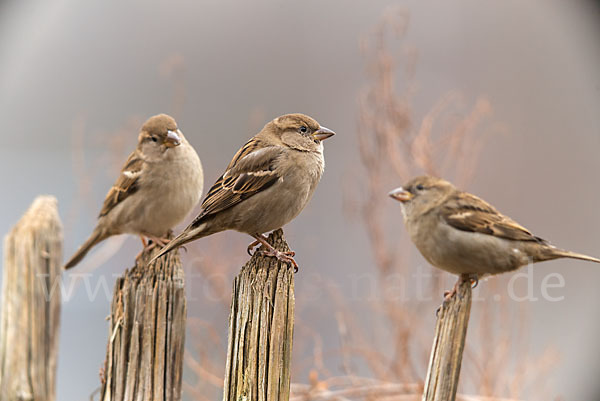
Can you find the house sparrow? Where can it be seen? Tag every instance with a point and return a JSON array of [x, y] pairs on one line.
[[158, 186], [462, 234], [266, 185]]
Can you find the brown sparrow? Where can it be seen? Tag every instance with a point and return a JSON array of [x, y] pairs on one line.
[[158, 186], [266, 185], [462, 234]]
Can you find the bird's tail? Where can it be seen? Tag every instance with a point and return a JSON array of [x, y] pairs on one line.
[[573, 255], [96, 237], [189, 234]]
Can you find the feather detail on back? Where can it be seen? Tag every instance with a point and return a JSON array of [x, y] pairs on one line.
[[126, 184], [467, 212], [251, 171]]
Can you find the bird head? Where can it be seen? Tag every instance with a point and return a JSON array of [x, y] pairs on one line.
[[158, 134], [421, 194], [299, 131]]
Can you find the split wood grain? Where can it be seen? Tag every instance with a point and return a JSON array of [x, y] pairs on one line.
[[144, 359], [31, 303], [261, 326], [443, 373]]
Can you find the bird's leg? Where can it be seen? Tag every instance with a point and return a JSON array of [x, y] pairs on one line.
[[287, 257], [145, 244]]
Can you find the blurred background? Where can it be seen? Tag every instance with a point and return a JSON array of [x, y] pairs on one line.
[[503, 98]]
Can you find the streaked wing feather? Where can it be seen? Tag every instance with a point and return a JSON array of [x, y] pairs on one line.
[[250, 172], [467, 212], [126, 185], [249, 147]]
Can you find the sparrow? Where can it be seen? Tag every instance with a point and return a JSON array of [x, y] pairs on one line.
[[265, 186], [464, 235], [158, 186]]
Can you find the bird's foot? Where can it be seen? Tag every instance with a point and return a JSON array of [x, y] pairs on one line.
[[151, 244], [154, 241], [286, 257], [448, 295]]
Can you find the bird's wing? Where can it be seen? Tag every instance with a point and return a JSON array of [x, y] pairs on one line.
[[467, 212], [250, 172], [126, 185]]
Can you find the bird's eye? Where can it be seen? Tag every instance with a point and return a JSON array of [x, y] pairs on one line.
[[420, 187], [303, 129], [154, 139]]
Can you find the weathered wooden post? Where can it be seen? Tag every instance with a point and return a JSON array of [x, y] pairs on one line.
[[448, 345], [31, 304], [144, 357], [261, 325]]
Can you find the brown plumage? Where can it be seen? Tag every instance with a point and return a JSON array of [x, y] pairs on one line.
[[267, 183], [462, 234], [159, 184]]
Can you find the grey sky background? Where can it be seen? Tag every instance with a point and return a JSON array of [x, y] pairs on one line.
[[73, 73]]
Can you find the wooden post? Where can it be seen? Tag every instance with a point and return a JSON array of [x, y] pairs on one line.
[[31, 304], [261, 325], [144, 357], [448, 345]]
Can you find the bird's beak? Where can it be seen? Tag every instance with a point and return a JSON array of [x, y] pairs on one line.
[[323, 133], [172, 139], [400, 194]]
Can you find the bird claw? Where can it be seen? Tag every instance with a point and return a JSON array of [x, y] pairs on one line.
[[250, 248], [286, 257], [448, 295]]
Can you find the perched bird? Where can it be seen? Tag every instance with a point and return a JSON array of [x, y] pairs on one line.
[[462, 234], [266, 185], [159, 185]]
